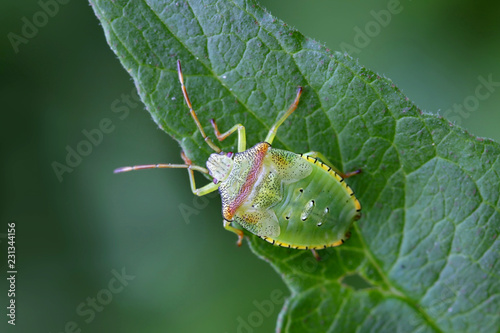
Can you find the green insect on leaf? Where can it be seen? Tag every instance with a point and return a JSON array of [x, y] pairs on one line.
[[426, 250]]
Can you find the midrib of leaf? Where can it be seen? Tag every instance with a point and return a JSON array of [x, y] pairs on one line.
[[393, 290]]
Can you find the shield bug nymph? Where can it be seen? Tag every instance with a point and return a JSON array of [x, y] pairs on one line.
[[288, 199]]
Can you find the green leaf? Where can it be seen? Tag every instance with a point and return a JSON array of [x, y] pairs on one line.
[[425, 255]]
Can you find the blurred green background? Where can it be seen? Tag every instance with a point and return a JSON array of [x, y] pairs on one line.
[[188, 277]]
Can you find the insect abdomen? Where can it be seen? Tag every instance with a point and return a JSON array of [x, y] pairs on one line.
[[316, 211]]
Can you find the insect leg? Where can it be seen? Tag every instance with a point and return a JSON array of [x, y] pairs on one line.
[[227, 226], [274, 129], [202, 190], [242, 139], [210, 187], [193, 114], [316, 255], [327, 162]]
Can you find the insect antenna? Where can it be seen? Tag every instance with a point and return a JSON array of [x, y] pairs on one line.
[[193, 114], [161, 166]]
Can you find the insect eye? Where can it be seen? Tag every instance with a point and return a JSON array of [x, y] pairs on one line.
[[215, 181], [230, 154]]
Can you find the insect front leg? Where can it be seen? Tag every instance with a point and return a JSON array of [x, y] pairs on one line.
[[191, 110], [202, 190], [227, 226], [242, 139], [322, 157]]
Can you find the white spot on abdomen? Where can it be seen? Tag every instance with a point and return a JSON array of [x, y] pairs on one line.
[[307, 210]]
